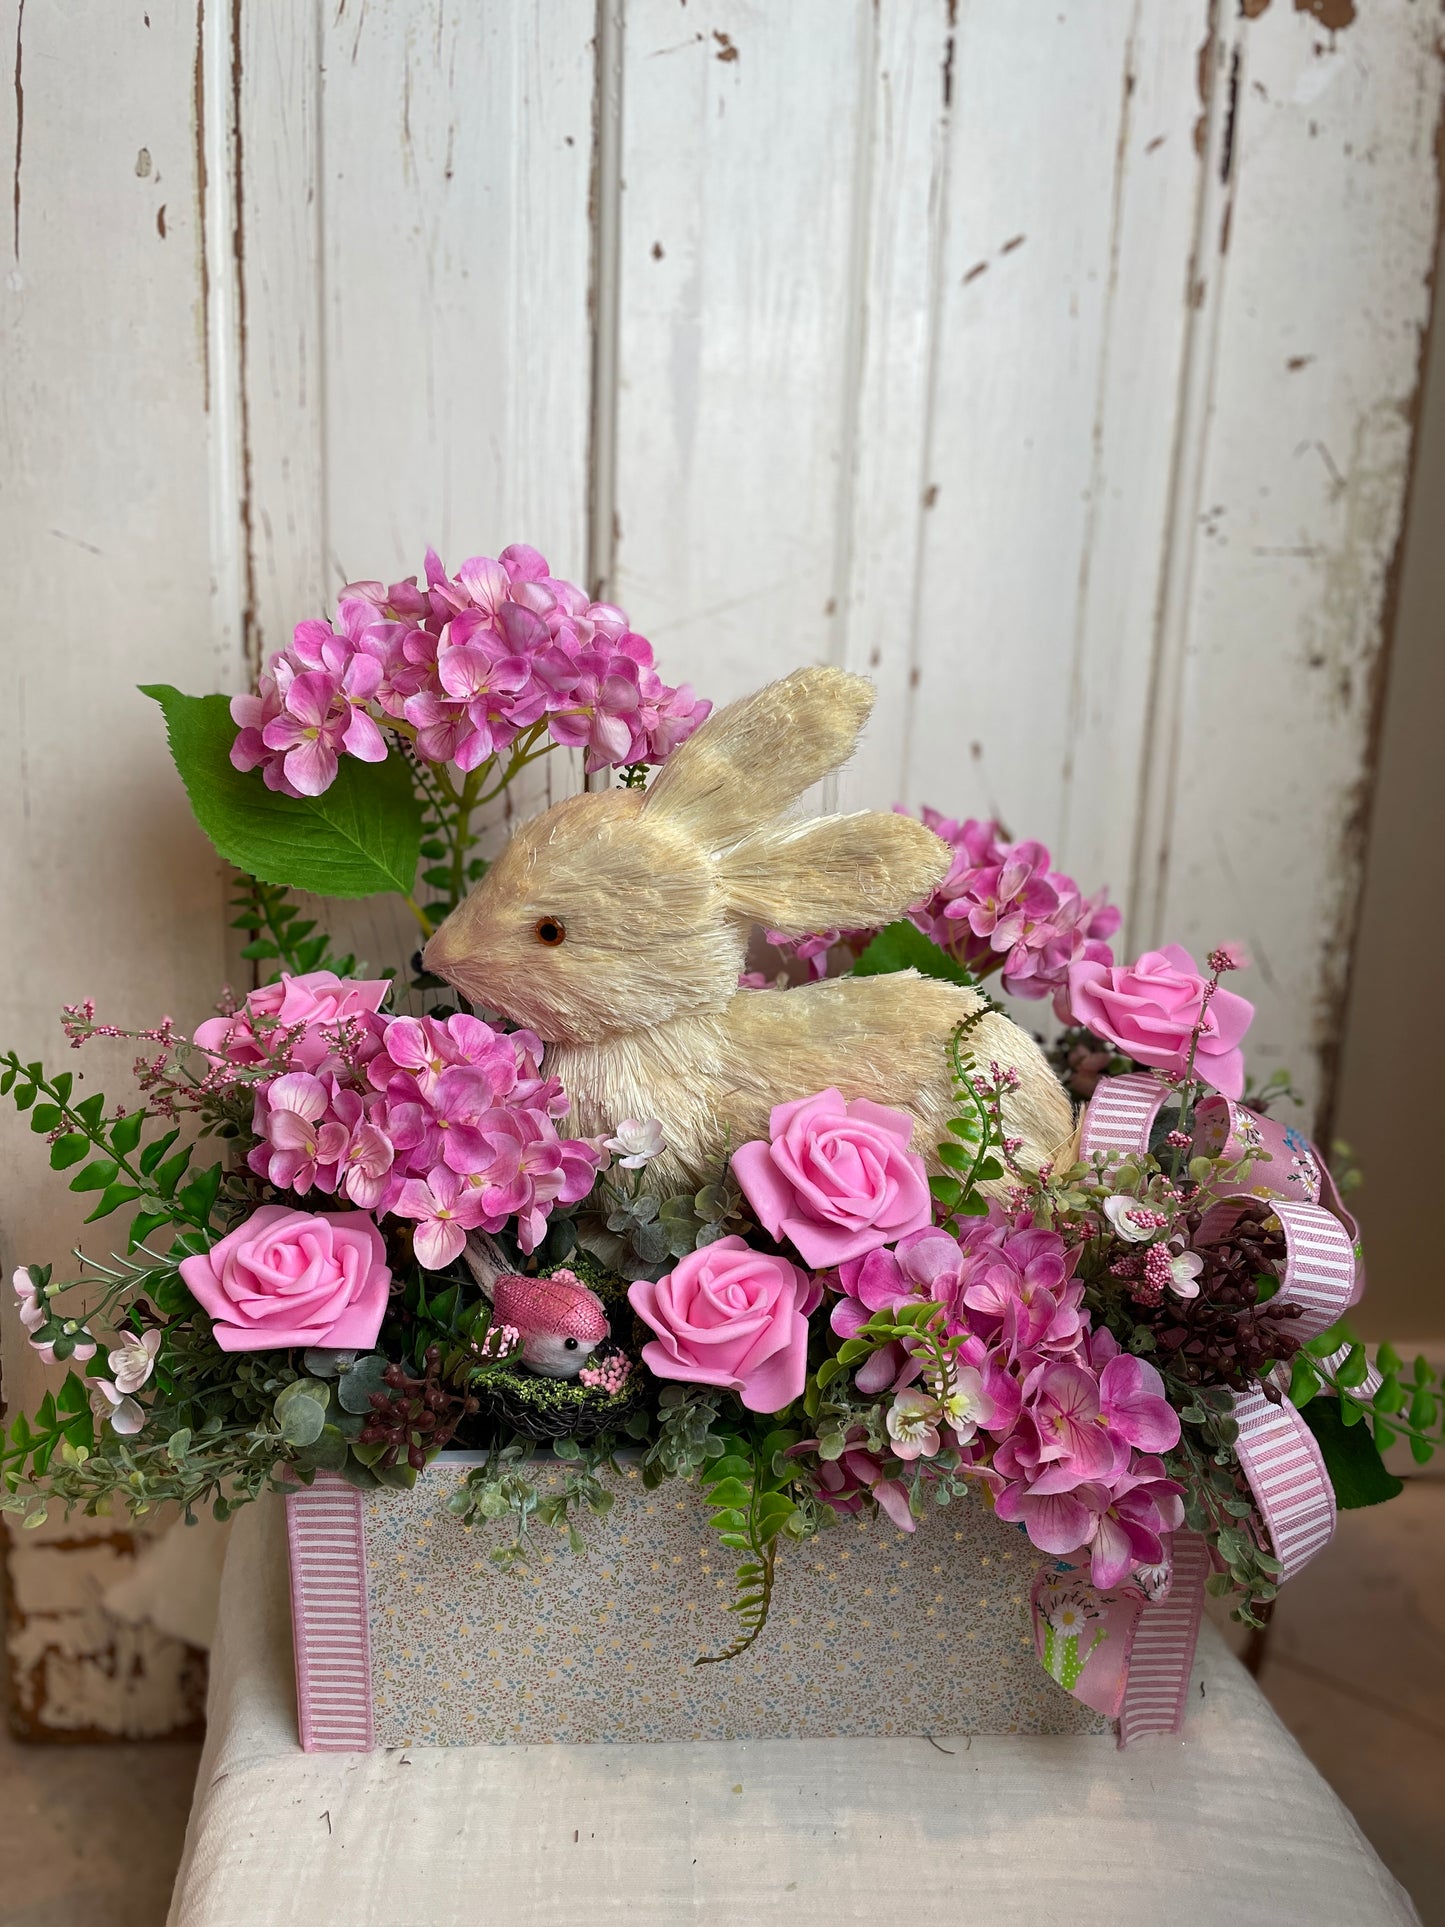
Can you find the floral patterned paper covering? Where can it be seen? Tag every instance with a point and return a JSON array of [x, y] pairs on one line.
[[603, 1647]]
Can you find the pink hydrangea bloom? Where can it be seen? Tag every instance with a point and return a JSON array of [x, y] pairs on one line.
[[468, 662], [1002, 906], [446, 1208], [449, 1122], [846, 1483], [300, 1023], [1062, 1426]]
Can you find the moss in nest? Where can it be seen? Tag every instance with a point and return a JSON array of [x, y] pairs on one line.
[[558, 1408]]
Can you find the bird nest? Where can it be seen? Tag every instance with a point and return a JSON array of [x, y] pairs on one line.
[[559, 1408]]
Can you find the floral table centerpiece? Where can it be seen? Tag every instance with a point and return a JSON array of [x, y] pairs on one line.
[[583, 1200]]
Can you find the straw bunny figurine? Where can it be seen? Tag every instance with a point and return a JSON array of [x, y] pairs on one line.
[[615, 926]]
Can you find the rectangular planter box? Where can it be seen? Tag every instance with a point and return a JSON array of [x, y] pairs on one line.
[[407, 1634]]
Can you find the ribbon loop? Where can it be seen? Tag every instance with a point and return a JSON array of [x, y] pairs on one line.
[[1319, 1268], [1323, 1276], [1121, 1114], [1287, 1476]]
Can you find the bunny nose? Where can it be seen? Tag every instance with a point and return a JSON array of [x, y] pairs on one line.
[[439, 952]]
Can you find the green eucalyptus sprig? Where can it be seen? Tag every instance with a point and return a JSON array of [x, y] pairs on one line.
[[499, 1488]]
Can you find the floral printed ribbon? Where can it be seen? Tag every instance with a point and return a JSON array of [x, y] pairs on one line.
[[1128, 1653]]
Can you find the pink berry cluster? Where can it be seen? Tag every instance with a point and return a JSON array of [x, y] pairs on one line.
[[461, 668], [610, 1376], [1002, 907], [1063, 1427], [446, 1121]]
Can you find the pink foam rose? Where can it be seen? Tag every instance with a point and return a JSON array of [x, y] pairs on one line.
[[294, 1278], [838, 1179], [729, 1315], [320, 1002], [1150, 1009]]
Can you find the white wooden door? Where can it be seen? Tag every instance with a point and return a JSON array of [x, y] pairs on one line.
[[1053, 363]]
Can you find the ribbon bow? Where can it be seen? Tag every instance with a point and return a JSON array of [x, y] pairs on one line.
[[1141, 1637]]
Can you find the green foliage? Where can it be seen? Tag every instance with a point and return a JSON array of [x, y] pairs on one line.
[[903, 946], [62, 1419], [1351, 1456], [1404, 1405], [500, 1489], [975, 1133], [686, 1440], [126, 1169], [210, 1436], [281, 936], [750, 1498], [361, 837], [645, 1235]]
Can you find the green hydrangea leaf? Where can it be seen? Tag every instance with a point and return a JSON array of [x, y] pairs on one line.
[[903, 946], [1352, 1459], [359, 839]]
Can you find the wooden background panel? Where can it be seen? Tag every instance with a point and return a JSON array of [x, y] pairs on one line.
[[1061, 328], [456, 242], [416, 283], [906, 118], [1286, 549], [105, 550], [1054, 365], [738, 287]]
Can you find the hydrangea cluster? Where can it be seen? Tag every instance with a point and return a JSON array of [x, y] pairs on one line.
[[1002, 901], [446, 1121], [1063, 1427], [1000, 908], [461, 669]]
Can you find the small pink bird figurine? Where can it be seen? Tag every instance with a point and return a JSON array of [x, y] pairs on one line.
[[560, 1320]]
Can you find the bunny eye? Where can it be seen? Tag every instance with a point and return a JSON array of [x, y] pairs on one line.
[[551, 931]]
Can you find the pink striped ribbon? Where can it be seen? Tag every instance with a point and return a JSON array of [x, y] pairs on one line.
[[1121, 1114], [1162, 1656], [329, 1616], [1276, 1448], [1287, 1477], [1319, 1268]]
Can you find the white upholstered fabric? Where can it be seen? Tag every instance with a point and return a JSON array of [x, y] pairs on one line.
[[1228, 1824]]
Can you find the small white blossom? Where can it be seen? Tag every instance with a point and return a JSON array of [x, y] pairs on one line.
[[107, 1402], [636, 1142], [968, 1405], [132, 1362], [1128, 1217], [1184, 1270]]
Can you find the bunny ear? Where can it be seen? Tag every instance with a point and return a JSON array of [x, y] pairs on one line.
[[751, 760], [835, 873]]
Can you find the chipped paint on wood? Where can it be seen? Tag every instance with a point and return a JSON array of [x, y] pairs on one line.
[[106, 441], [76, 1672], [1335, 15], [1283, 547]]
